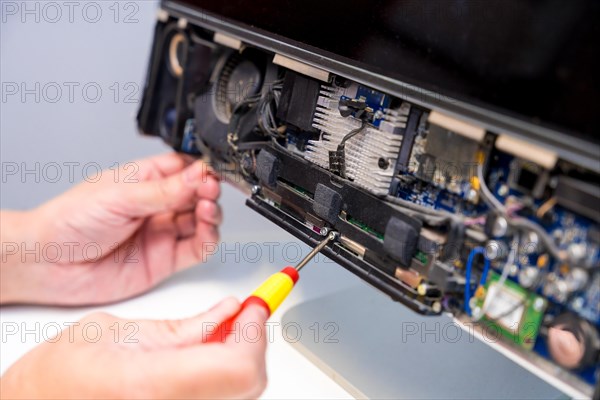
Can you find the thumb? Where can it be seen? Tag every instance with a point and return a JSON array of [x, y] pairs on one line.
[[171, 193], [185, 332]]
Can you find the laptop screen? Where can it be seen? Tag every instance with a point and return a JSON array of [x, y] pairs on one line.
[[534, 60]]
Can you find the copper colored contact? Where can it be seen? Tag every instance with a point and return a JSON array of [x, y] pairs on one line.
[[410, 277]]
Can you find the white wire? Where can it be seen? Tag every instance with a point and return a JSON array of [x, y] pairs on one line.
[[510, 260], [487, 195]]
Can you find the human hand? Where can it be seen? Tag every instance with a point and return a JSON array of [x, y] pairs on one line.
[[146, 359], [112, 237]]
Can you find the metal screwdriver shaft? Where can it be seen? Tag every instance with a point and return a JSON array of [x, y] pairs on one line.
[[330, 237], [271, 293]]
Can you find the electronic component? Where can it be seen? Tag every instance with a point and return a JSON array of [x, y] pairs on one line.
[[516, 313], [369, 155], [408, 138], [496, 226], [527, 177], [453, 157], [298, 100], [581, 197], [223, 105]]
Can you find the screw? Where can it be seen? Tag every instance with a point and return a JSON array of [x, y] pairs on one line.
[[333, 236], [383, 163]]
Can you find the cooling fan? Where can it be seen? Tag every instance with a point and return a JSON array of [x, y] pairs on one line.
[[226, 106]]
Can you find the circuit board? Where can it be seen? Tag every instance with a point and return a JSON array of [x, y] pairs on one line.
[[376, 102]]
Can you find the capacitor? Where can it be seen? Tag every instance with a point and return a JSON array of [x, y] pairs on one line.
[[528, 275], [503, 190], [496, 250], [577, 252], [557, 288], [576, 279], [532, 243], [496, 226]]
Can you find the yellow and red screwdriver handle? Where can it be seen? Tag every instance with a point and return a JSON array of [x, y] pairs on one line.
[[274, 290], [271, 293]]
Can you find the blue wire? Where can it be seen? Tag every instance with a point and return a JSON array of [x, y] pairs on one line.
[[469, 267]]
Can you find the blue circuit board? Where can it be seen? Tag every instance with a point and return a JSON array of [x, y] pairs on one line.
[[566, 225], [568, 228], [437, 198], [377, 101]]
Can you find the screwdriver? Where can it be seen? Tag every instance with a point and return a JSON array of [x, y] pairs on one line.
[[271, 293]]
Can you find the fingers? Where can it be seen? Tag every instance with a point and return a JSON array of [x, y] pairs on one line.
[[249, 347], [171, 362], [207, 371], [172, 193], [185, 332], [209, 212], [198, 248], [252, 336], [171, 334], [160, 166], [193, 237], [185, 224], [235, 369]]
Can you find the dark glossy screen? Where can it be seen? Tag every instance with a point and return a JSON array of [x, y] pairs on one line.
[[536, 60]]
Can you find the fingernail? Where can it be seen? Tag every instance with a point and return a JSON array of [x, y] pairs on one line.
[[193, 172]]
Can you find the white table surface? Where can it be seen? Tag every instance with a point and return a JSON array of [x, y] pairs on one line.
[[193, 291]]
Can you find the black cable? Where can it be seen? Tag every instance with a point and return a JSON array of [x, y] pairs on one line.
[[252, 146], [337, 159], [266, 102], [351, 134]]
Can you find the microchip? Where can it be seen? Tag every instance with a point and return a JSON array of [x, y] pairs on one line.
[[579, 196], [455, 155], [504, 305], [527, 177], [512, 311]]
